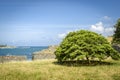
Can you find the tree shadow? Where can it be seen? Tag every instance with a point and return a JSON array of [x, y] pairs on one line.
[[82, 63]]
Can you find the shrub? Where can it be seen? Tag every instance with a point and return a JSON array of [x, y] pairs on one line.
[[85, 45]]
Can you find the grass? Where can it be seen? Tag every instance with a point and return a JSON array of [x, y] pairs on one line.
[[50, 70]]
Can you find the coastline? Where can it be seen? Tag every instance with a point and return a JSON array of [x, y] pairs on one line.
[[47, 53]]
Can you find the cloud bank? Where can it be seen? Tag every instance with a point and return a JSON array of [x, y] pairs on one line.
[[101, 29]]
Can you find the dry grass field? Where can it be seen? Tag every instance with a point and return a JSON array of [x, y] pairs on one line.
[[49, 70]]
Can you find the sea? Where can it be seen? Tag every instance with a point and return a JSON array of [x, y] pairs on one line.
[[22, 51]]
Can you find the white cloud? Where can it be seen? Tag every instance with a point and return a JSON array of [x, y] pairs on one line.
[[62, 35], [100, 28], [109, 31], [106, 18]]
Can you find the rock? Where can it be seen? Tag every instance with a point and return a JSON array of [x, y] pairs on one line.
[[45, 54], [116, 47], [12, 58]]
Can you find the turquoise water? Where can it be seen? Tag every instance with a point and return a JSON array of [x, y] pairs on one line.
[[22, 50]]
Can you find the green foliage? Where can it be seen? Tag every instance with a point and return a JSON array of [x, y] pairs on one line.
[[116, 36], [84, 45]]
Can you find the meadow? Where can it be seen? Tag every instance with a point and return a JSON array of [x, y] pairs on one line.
[[50, 70]]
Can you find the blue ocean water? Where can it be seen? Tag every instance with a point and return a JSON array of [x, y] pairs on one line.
[[22, 50]]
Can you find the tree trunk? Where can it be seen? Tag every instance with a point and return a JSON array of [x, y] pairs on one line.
[[88, 59]]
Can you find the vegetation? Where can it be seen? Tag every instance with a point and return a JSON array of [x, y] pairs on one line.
[[85, 45], [3, 45], [116, 36], [49, 70]]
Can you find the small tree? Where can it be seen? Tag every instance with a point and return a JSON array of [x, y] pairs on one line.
[[116, 36], [84, 45]]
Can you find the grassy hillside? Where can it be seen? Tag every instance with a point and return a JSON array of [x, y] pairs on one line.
[[48, 70], [110, 38]]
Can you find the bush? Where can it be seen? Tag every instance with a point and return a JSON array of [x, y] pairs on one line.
[[85, 45]]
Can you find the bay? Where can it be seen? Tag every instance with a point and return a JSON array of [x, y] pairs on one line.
[[22, 51]]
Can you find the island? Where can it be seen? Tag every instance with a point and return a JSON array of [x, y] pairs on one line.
[[6, 47]]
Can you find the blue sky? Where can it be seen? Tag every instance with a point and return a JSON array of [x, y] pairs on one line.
[[46, 22]]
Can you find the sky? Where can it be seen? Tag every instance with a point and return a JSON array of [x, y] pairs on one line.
[[47, 22]]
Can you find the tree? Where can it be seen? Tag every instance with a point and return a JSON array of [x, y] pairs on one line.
[[116, 36], [84, 45]]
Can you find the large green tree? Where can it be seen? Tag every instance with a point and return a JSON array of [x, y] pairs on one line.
[[116, 36], [84, 45]]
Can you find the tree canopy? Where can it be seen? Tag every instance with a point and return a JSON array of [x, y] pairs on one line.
[[116, 36], [85, 45]]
